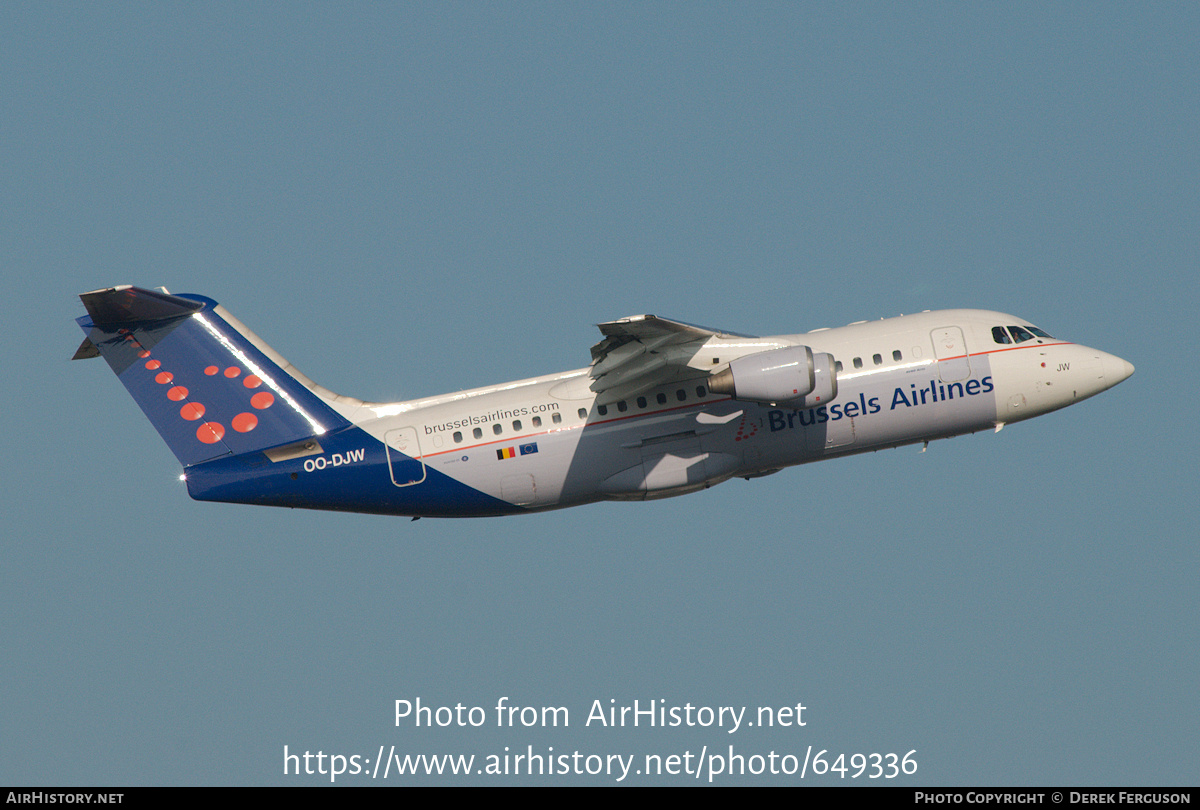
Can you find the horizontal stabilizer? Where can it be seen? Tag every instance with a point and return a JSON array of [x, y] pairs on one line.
[[126, 304], [86, 351]]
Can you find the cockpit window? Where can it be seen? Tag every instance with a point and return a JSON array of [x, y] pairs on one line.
[[1038, 332], [1019, 334], [1000, 335]]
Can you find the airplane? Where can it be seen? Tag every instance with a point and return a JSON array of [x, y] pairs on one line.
[[665, 407]]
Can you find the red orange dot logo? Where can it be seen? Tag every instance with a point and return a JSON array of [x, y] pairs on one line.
[[210, 432], [192, 411], [245, 422]]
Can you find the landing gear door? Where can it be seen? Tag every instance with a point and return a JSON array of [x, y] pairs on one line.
[[404, 457], [950, 348]]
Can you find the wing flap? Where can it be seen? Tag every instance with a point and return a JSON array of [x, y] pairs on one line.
[[642, 351]]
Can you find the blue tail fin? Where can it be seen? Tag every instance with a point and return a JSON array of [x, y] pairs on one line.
[[208, 385]]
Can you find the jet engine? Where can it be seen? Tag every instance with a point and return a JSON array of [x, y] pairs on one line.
[[794, 376]]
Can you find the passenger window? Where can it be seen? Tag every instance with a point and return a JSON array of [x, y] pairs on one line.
[[662, 399], [641, 402], [1019, 334], [681, 395], [878, 358], [517, 425], [621, 406], [838, 365], [897, 356], [537, 421], [1000, 336], [602, 410], [457, 436], [477, 433], [858, 362], [497, 428], [701, 390]]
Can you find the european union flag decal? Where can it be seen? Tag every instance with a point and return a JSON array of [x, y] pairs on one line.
[[526, 449]]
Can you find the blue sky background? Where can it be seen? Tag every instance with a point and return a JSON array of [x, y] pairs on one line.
[[407, 199]]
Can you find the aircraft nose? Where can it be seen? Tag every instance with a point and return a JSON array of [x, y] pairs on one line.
[[1116, 370]]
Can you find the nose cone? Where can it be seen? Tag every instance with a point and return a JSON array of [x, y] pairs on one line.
[[1115, 369]]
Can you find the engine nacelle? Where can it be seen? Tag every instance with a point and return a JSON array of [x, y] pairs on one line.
[[824, 382], [793, 376]]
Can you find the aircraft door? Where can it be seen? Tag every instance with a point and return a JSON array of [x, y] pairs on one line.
[[403, 452], [838, 432], [950, 348], [520, 489]]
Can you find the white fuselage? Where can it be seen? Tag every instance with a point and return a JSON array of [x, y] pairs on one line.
[[551, 442]]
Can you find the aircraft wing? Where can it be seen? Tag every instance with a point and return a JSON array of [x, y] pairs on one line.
[[642, 351]]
